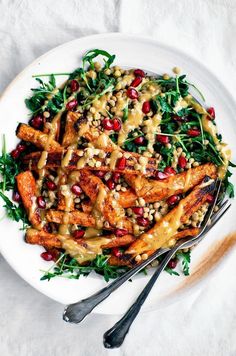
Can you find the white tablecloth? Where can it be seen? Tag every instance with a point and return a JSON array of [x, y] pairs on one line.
[[205, 323]]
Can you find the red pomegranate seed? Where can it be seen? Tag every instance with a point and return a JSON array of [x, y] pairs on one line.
[[135, 83], [139, 73], [172, 263], [132, 93], [120, 232], [116, 252], [173, 200], [116, 177], [74, 85], [100, 174], [107, 124], [177, 118], [71, 104], [139, 140], [36, 122], [110, 184], [121, 163], [182, 162], [76, 189], [142, 221], [138, 210], [146, 107], [211, 111], [16, 196], [41, 202], [116, 124], [15, 153], [47, 256], [47, 227], [51, 185], [210, 198], [78, 234], [170, 171], [21, 147], [193, 132], [163, 139], [161, 175]]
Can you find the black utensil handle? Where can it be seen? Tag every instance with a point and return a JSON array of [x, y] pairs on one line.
[[115, 336], [75, 313]]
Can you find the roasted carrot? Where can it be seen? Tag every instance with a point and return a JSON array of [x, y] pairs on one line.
[[70, 136], [73, 217], [27, 188], [38, 138]]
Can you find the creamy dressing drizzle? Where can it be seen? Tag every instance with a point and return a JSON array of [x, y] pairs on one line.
[[99, 206]]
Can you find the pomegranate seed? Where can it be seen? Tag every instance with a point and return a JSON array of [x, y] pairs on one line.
[[41, 202], [139, 140], [47, 228], [210, 198], [135, 83], [107, 124], [120, 232], [110, 184], [16, 196], [163, 139], [161, 175], [36, 122], [74, 85], [21, 147], [211, 111], [172, 263], [170, 171], [173, 200], [116, 177], [121, 163], [51, 185], [100, 174], [178, 118], [182, 162], [193, 132], [142, 221], [139, 73], [116, 252], [71, 104], [78, 234], [146, 107], [116, 124], [76, 189], [47, 256], [15, 153], [138, 210], [132, 93]]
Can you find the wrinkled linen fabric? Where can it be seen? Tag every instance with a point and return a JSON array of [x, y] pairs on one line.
[[203, 323]]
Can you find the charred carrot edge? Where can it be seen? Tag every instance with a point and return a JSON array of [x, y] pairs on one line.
[[38, 138], [126, 261], [54, 160], [27, 188], [70, 135], [190, 204], [154, 190]]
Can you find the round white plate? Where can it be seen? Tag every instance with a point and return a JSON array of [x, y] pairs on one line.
[[130, 52]]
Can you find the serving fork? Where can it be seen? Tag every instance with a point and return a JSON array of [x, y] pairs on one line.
[[76, 312], [115, 336]]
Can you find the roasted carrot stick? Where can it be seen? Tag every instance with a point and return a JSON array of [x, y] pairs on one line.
[[27, 188]]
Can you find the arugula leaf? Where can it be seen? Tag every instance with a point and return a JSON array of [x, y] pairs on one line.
[[90, 55], [68, 267], [14, 212], [185, 257], [171, 271]]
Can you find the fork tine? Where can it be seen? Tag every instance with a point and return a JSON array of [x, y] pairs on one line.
[[218, 216]]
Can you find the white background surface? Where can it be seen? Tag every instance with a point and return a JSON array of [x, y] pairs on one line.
[[205, 324]]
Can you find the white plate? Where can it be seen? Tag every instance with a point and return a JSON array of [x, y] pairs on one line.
[[130, 52]]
